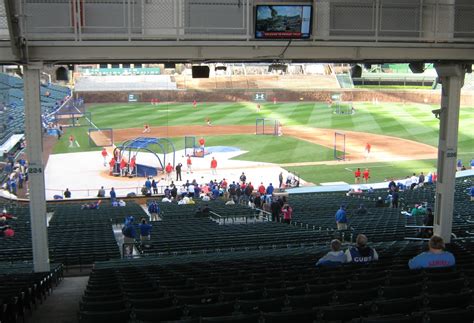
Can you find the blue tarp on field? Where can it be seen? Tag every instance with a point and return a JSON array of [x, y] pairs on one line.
[[142, 142], [221, 149]]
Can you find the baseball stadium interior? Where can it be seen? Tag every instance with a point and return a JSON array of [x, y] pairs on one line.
[[236, 161]]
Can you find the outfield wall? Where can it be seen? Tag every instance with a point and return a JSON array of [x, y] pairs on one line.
[[226, 95]]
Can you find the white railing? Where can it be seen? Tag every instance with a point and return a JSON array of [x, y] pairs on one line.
[[181, 20]]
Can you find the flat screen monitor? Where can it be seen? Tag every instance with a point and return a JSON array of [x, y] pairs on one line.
[[283, 21]]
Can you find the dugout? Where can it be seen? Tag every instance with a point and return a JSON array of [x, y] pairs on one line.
[[155, 161]]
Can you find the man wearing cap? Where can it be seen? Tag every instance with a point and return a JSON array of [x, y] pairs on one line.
[[341, 218]]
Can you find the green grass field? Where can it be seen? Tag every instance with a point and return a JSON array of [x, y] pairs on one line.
[[408, 121]]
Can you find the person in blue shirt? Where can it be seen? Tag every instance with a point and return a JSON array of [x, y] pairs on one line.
[[472, 163], [148, 185], [471, 193], [361, 253], [145, 230], [341, 218], [270, 189], [215, 192], [128, 230], [334, 257], [154, 210], [435, 257], [113, 195]]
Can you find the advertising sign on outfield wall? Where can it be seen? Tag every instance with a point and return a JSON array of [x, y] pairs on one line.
[[132, 98]]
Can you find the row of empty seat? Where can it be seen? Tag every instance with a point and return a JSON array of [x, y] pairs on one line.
[[279, 289]]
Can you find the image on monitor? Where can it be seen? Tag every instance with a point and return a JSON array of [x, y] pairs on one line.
[[283, 21]]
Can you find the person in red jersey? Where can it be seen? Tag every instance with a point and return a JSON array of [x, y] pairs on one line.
[[366, 175], [213, 166], [357, 175], [168, 170]]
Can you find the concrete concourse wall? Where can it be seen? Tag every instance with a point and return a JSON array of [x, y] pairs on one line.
[[234, 95]]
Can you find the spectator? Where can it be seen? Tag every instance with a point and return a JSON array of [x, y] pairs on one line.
[[67, 193], [418, 209], [428, 221], [6, 215], [341, 218], [191, 190], [334, 257], [174, 192], [289, 179], [275, 207], [5, 229], [243, 178], [154, 186], [471, 192], [361, 253], [215, 192], [413, 181], [287, 212], [128, 231], [280, 180], [392, 185], [101, 192], [91, 206], [148, 185], [459, 165], [395, 198], [421, 178], [154, 210], [145, 191], [435, 257], [113, 195], [167, 192], [261, 189], [270, 189], [232, 191], [257, 201], [145, 230]]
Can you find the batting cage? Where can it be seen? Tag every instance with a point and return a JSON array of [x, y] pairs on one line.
[[101, 137], [150, 154], [339, 146], [192, 148], [341, 107], [267, 127]]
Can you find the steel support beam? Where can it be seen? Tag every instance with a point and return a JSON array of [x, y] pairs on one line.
[[241, 51], [451, 76], [34, 150]]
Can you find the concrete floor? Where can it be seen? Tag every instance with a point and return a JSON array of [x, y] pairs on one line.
[[63, 305]]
